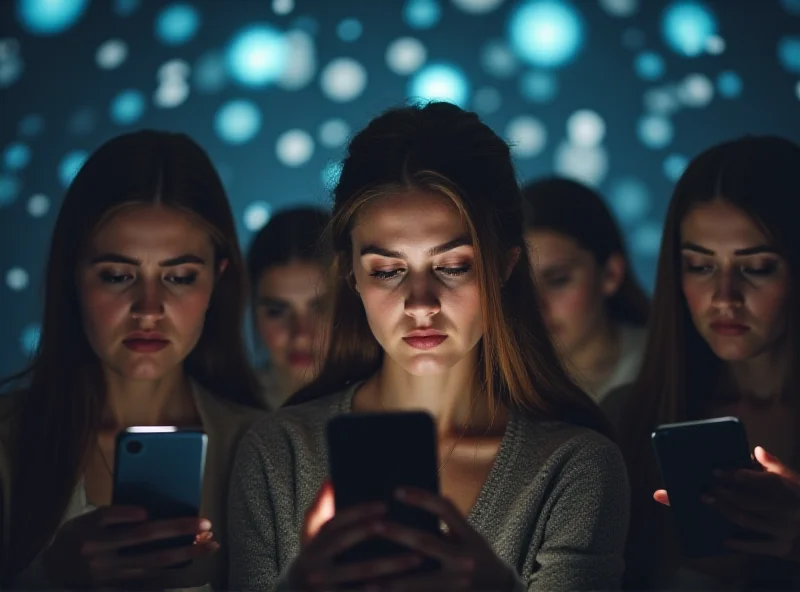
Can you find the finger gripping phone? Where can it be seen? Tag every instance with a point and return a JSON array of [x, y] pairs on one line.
[[370, 456], [688, 453], [160, 469]]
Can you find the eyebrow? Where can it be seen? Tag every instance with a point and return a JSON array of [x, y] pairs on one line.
[[115, 258], [460, 241], [757, 250]]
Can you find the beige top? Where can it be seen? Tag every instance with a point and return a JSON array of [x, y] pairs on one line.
[[224, 423]]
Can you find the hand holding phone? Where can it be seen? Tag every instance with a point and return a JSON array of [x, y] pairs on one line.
[[690, 456]]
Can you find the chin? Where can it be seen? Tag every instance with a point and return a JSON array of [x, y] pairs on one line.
[[428, 365], [733, 352]]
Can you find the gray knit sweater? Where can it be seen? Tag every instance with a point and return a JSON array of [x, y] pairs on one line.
[[554, 506]]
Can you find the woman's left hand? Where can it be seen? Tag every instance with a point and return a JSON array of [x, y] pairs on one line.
[[467, 561], [765, 502]]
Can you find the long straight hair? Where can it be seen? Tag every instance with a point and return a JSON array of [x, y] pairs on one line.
[[55, 418], [761, 177], [574, 210], [440, 149]]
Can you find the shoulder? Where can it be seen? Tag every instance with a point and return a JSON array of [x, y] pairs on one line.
[[562, 449]]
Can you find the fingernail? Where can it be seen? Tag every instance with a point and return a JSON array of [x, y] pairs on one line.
[[205, 524], [707, 499]]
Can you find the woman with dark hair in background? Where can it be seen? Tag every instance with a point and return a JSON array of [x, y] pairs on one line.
[[287, 262], [144, 299], [724, 342], [435, 310], [594, 307]]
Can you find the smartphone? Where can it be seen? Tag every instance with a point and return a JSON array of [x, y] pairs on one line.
[[687, 454], [161, 469], [370, 456]]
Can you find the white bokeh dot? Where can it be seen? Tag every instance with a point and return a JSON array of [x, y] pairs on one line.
[[343, 80], [17, 279], [38, 205], [405, 55], [586, 128], [477, 6], [715, 45], [171, 93], [111, 54], [696, 91], [334, 133], [620, 8], [661, 101], [294, 148], [526, 135], [256, 215], [282, 7], [588, 165]]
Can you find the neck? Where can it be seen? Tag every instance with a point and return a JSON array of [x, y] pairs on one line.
[[761, 378], [595, 358], [453, 398], [165, 401]]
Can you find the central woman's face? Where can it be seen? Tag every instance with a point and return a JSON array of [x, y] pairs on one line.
[[145, 287], [735, 282], [413, 263]]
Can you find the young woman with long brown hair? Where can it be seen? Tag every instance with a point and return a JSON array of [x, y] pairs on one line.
[[144, 296], [435, 309], [724, 341], [287, 263], [592, 303]]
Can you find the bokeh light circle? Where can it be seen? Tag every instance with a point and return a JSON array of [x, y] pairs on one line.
[[588, 165], [405, 55], [655, 131], [696, 91], [31, 125], [70, 164], [301, 65], [10, 186], [256, 56], [294, 148], [440, 82], [538, 87], [237, 121], [498, 60], [177, 24], [111, 54], [649, 66], [16, 156], [49, 17], [38, 205], [486, 100], [586, 128], [29, 338], [127, 107], [333, 133], [789, 53], [546, 33], [526, 135], [477, 6], [674, 165], [620, 8], [209, 74], [349, 30], [17, 279], [343, 80], [256, 215], [629, 199], [686, 26], [422, 14], [729, 84]]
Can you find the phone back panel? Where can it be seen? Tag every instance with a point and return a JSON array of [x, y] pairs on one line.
[[371, 455], [688, 454], [161, 471]]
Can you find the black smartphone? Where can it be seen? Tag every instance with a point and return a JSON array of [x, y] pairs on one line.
[[371, 455], [160, 469], [688, 453]]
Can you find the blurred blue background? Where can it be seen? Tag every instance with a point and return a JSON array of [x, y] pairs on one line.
[[616, 93]]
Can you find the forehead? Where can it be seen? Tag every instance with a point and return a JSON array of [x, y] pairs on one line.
[[151, 227], [721, 224], [549, 246], [413, 217], [296, 277]]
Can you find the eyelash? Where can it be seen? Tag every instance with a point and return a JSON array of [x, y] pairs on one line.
[[764, 271], [117, 279], [450, 271]]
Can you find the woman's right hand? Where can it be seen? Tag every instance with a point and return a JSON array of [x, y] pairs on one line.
[[84, 553], [326, 534]]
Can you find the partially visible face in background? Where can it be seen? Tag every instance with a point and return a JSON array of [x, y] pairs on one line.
[[145, 285], [293, 319], [735, 282], [572, 286]]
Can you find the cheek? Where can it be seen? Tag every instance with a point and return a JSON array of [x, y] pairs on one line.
[[570, 305], [105, 314], [698, 297], [188, 313], [274, 333], [769, 303]]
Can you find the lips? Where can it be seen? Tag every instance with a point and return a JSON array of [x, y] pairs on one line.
[[729, 328], [300, 359], [425, 338], [145, 342]]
